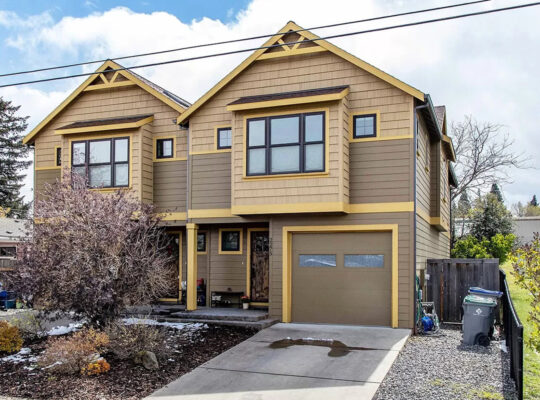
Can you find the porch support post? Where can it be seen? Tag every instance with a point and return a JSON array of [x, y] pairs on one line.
[[191, 279]]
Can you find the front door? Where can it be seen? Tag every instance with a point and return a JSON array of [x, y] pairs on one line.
[[259, 268], [173, 249]]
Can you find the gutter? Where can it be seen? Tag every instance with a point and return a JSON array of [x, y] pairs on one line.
[[433, 116]]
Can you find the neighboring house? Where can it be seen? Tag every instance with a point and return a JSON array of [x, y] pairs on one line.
[[12, 231], [307, 178], [525, 228]]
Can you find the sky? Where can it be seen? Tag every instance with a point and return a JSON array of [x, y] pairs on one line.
[[485, 66]]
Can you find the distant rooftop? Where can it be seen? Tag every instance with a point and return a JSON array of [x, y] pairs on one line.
[[12, 229]]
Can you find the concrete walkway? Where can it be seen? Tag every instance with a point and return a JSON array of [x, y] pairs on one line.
[[332, 362]]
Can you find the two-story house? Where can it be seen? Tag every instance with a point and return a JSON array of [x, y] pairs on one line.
[[306, 178]]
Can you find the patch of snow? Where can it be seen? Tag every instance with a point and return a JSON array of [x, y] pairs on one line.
[[64, 330], [503, 347], [310, 339], [175, 325], [24, 355]]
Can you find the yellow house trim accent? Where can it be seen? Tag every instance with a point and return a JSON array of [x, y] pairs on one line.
[[250, 115], [248, 262], [198, 153], [173, 216], [356, 113], [435, 221], [211, 213], [452, 153], [300, 39], [288, 232], [290, 208], [322, 43], [406, 206], [289, 102], [107, 64], [292, 52], [191, 279], [384, 138], [154, 149], [46, 168], [240, 251], [216, 139], [101, 128], [108, 85]]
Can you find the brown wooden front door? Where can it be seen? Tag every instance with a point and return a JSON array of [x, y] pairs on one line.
[[259, 268]]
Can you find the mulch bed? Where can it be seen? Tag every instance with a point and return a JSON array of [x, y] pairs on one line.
[[125, 380]]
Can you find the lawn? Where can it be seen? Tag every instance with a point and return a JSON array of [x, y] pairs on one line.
[[522, 302]]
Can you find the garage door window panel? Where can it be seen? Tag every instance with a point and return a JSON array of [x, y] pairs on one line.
[[364, 260], [317, 260]]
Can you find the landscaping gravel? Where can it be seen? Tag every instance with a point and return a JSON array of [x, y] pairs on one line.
[[441, 367]]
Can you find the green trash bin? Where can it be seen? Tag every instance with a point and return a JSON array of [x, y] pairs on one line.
[[478, 319]]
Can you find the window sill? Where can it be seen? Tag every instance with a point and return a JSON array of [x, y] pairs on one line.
[[111, 189], [287, 176]]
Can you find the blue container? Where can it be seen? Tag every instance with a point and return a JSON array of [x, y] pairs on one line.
[[485, 293]]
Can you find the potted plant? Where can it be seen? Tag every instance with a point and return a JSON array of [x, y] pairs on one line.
[[245, 302]]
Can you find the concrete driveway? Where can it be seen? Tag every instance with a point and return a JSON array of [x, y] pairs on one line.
[[331, 362]]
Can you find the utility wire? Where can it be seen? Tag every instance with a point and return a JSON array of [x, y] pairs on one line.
[[386, 28], [244, 39]]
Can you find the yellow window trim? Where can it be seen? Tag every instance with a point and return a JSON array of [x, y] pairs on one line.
[[359, 113], [288, 232], [107, 64], [321, 43], [289, 102], [101, 128], [221, 230], [247, 116], [109, 136], [292, 52], [201, 253], [216, 139], [211, 213], [154, 150], [173, 216], [248, 262]]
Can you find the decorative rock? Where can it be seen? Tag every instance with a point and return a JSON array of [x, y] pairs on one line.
[[148, 360]]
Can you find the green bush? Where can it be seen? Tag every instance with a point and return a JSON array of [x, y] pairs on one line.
[[499, 246]]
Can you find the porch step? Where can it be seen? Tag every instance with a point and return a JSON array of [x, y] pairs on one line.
[[221, 314], [259, 324]]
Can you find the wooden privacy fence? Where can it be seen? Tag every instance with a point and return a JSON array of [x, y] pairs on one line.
[[448, 281]]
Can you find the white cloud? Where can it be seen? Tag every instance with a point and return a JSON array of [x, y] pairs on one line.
[[485, 66], [10, 19]]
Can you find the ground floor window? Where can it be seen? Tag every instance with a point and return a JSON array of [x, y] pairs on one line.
[[230, 241]]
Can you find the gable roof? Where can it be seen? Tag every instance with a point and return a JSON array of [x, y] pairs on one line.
[[172, 100], [292, 26]]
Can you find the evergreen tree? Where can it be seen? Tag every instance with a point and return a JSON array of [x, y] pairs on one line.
[[534, 202], [13, 160], [490, 218], [464, 205], [497, 192]]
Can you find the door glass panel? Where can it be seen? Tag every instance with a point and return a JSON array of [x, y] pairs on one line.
[[120, 150], [317, 260], [284, 130], [364, 260], [314, 157], [285, 159], [314, 128], [121, 175], [79, 153], [257, 161], [100, 176], [100, 152], [256, 133]]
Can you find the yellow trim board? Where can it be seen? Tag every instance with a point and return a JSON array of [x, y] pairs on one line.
[[323, 44], [107, 64], [292, 52], [289, 102], [288, 232], [290, 208], [173, 216], [248, 262], [216, 139], [359, 113], [191, 279], [109, 127], [382, 139], [221, 230], [46, 168], [211, 213], [435, 221]]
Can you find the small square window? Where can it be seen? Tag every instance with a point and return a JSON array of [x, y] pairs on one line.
[[8, 252], [201, 242], [365, 126], [231, 241], [224, 138], [58, 156], [164, 148]]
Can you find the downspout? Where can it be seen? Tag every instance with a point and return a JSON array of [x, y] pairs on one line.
[[188, 175]]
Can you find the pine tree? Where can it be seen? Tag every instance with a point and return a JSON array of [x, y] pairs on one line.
[[534, 202], [13, 160], [497, 192], [464, 205], [490, 217]]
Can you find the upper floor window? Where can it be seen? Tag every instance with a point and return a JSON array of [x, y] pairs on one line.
[[164, 148], [224, 138], [58, 156], [104, 162], [286, 144], [364, 126]]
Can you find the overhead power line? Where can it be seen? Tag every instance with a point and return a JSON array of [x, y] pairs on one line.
[[244, 39], [386, 28]]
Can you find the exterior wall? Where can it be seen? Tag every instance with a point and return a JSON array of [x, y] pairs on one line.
[[211, 181], [41, 177], [430, 243], [169, 186], [423, 157], [405, 255], [526, 227]]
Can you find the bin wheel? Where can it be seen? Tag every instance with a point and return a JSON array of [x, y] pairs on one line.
[[483, 340]]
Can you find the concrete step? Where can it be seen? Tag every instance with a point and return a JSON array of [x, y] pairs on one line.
[[259, 324], [222, 315]]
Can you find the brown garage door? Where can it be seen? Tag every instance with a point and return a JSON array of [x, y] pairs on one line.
[[342, 278]]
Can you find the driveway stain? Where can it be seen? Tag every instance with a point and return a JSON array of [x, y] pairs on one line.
[[337, 348]]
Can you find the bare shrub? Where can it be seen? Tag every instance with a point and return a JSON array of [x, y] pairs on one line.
[[126, 341], [10, 338]]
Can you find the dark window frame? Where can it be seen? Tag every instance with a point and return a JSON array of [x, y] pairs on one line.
[[375, 122], [205, 236], [58, 156], [302, 144], [7, 255], [111, 162], [239, 243], [158, 143], [219, 130]]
